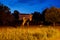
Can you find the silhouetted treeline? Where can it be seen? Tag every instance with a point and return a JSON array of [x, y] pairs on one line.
[[49, 16], [36, 18]]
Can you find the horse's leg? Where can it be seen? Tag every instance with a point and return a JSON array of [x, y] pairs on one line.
[[27, 23], [24, 21]]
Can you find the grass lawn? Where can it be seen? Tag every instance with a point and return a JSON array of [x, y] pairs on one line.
[[30, 33]]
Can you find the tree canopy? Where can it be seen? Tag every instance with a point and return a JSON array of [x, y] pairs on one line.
[[52, 15]]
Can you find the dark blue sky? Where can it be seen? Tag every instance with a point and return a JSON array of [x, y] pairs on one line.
[[29, 6]]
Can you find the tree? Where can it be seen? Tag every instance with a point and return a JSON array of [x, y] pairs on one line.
[[36, 17], [4, 10], [16, 16], [43, 16], [52, 15]]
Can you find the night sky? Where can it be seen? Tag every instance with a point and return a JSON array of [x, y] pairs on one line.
[[29, 6]]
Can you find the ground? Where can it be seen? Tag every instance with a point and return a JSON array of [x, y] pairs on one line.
[[30, 33]]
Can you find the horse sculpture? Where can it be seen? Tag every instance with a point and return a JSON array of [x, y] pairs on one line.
[[25, 20]]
